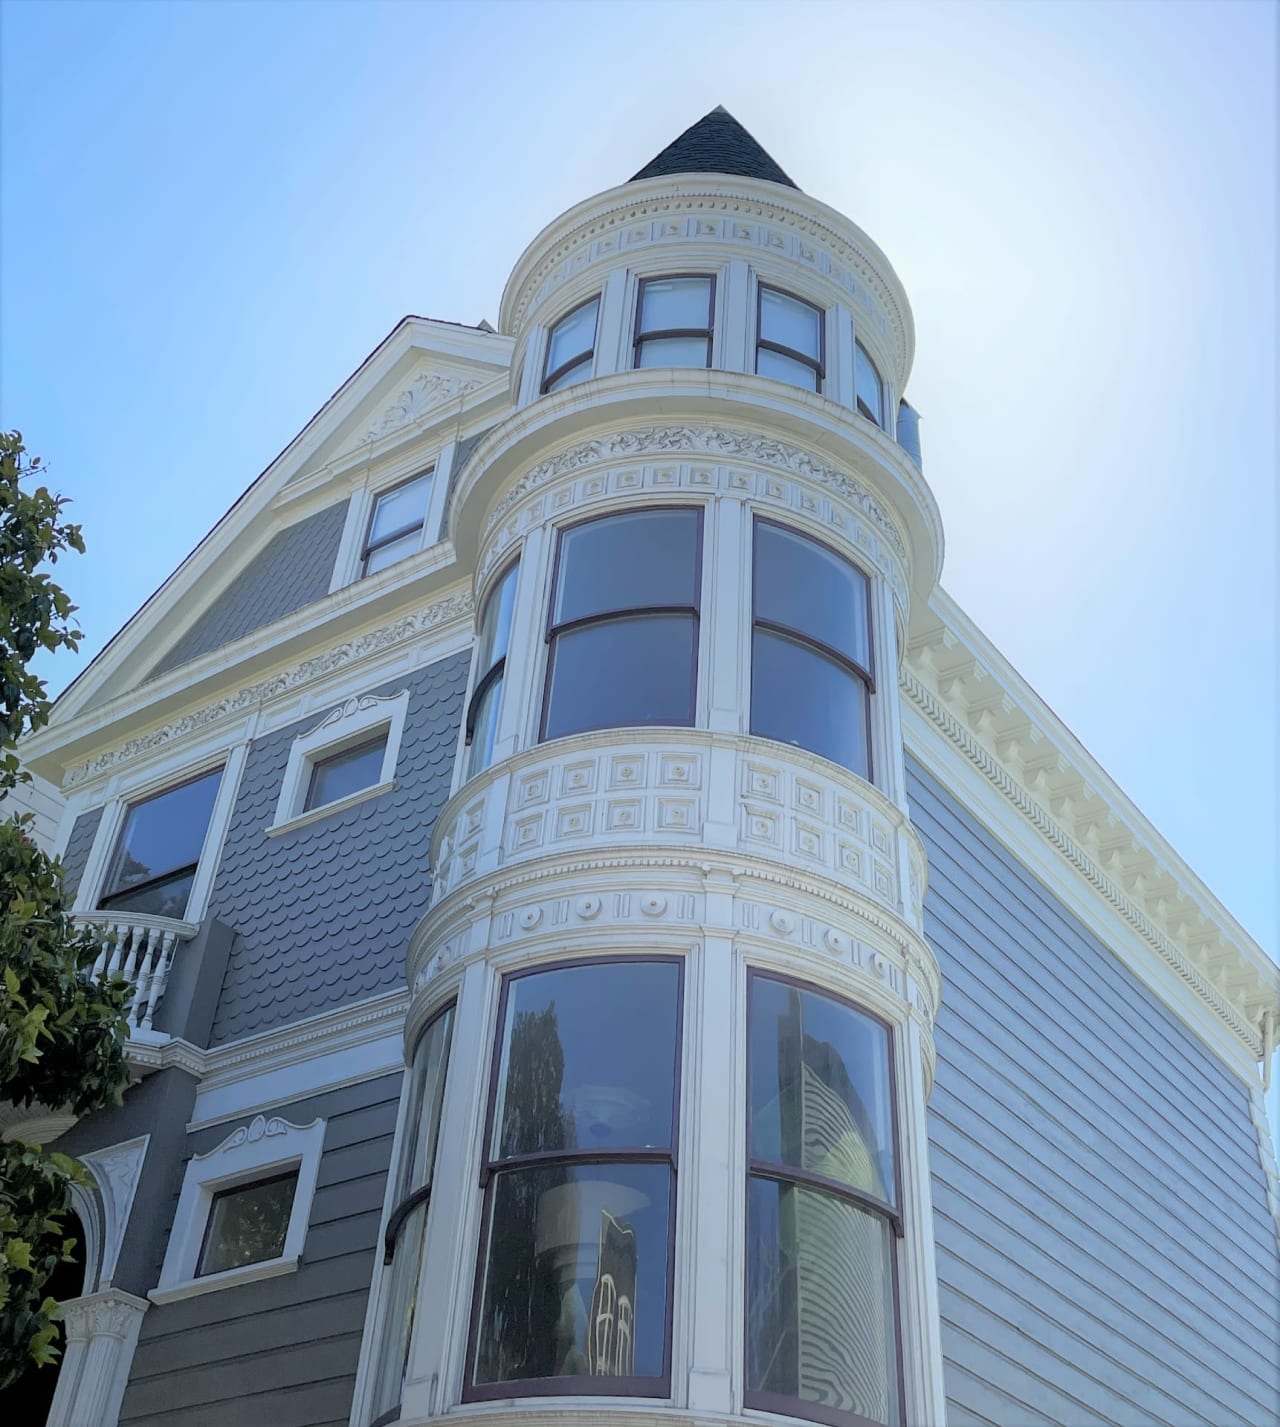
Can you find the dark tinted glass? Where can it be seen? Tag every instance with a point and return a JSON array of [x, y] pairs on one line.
[[820, 1097], [820, 1313], [588, 1059], [802, 697], [162, 835], [167, 897], [575, 1282], [347, 772], [247, 1225], [628, 562], [806, 587], [623, 672]]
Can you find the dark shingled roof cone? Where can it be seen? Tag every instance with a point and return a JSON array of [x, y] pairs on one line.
[[717, 143]]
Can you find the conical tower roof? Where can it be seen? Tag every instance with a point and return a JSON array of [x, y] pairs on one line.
[[717, 143]]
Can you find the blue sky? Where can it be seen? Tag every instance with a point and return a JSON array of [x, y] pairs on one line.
[[213, 212]]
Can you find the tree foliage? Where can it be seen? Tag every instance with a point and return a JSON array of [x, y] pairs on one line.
[[62, 1035]]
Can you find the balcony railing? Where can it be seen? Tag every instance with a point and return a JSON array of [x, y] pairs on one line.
[[141, 949]]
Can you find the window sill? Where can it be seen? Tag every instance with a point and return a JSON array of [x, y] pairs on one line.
[[229, 1278], [327, 809]]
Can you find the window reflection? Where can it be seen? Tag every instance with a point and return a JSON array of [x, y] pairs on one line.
[[485, 703], [154, 864]]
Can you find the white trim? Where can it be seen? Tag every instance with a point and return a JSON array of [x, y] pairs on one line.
[[116, 1170], [353, 722], [245, 1155], [101, 1335], [348, 568]]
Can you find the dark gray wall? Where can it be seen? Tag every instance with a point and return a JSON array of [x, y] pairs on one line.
[[79, 845], [281, 1352], [293, 570], [324, 914], [1105, 1250]]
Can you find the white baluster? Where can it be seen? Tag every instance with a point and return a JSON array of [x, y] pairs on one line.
[[159, 977]]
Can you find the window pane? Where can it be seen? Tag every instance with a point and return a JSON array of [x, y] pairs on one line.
[[623, 673], [572, 335], [588, 1059], [806, 587], [801, 697], [576, 1279], [495, 623], [247, 1225], [790, 323], [346, 772], [580, 373], [165, 898], [673, 352], [397, 1320], [422, 1123], [390, 553], [675, 302], [164, 834], [400, 508], [820, 1319], [486, 728], [820, 1098], [785, 369], [627, 562], [867, 388]]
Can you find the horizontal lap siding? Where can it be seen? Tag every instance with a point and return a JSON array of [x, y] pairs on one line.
[[281, 1352], [1105, 1250]]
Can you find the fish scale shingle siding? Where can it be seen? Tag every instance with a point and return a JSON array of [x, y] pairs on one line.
[[79, 845], [323, 914], [1106, 1255], [294, 569]]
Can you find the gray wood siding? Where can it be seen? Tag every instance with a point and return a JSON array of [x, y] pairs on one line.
[[79, 845], [281, 1352], [1105, 1250]]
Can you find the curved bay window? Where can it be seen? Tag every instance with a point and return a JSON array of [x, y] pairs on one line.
[[490, 665], [571, 348], [674, 318], [406, 1229], [790, 336], [811, 671], [623, 628], [868, 389], [822, 1211], [573, 1288]]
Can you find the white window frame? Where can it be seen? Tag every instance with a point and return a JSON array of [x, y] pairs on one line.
[[249, 1153], [348, 568], [354, 722]]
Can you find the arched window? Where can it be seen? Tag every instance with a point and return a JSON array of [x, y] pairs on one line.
[[571, 347]]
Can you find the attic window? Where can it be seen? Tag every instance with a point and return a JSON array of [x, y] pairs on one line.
[[396, 524]]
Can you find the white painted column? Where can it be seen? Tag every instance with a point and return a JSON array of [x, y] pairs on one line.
[[101, 1334], [735, 351], [840, 366], [726, 607], [886, 707], [612, 325]]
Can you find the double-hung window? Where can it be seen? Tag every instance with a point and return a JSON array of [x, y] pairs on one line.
[[490, 671], [396, 523], [790, 338], [868, 389], [579, 1178], [822, 1211], [674, 318], [623, 631], [811, 671], [346, 773], [571, 348], [154, 864], [406, 1230]]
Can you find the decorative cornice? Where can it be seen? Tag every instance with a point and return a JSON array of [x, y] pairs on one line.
[[1005, 739], [427, 390], [712, 441], [375, 641]]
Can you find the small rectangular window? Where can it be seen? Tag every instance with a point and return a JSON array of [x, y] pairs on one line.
[[868, 388], [247, 1224], [156, 855], [396, 523], [790, 339], [349, 771], [571, 348], [674, 317]]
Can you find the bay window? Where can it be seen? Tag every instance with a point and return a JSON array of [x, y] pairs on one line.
[[571, 348], [674, 317], [490, 671], [868, 389], [790, 335], [811, 670], [822, 1210], [623, 627], [573, 1289]]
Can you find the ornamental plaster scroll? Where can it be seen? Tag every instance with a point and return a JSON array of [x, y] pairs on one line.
[[771, 226], [376, 641], [425, 392], [981, 720], [258, 1129], [115, 1171], [710, 441], [354, 706]]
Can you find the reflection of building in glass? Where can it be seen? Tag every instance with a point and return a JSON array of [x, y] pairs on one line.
[[611, 1327], [830, 1304]]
